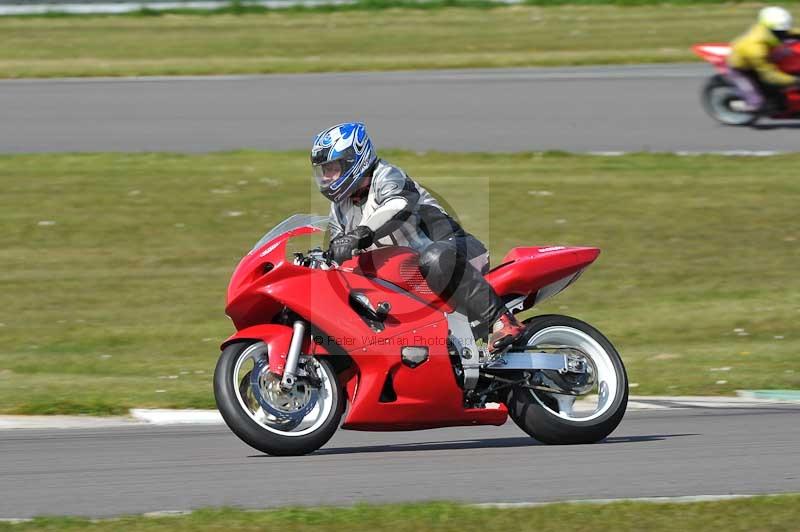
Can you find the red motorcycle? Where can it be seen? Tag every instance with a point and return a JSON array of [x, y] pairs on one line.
[[368, 340], [726, 103]]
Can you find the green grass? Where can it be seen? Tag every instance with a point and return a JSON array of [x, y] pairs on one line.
[[751, 515], [362, 39], [115, 265]]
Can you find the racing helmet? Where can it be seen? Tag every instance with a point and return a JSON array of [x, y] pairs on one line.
[[775, 18], [340, 157]]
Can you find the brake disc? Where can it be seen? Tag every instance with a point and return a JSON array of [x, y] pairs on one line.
[[288, 408]]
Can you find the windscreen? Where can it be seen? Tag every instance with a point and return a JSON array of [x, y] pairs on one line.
[[293, 222]]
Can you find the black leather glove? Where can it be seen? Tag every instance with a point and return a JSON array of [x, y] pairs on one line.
[[342, 247]]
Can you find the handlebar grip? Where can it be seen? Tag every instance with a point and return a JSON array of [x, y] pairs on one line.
[[328, 255]]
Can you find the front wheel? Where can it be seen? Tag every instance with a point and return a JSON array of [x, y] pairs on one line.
[[557, 418], [265, 416], [724, 104]]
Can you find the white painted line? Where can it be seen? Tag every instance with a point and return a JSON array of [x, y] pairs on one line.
[[731, 153], [64, 422], [143, 417], [119, 8], [657, 500], [639, 405], [683, 499], [167, 513], [177, 417], [685, 153], [710, 401], [608, 153], [720, 404]]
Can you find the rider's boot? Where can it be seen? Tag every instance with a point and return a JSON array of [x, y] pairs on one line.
[[774, 103], [505, 331]]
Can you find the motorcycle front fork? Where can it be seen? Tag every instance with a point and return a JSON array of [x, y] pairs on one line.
[[293, 357]]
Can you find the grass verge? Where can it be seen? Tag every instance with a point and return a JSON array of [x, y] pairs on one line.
[[348, 39], [115, 265], [751, 514]]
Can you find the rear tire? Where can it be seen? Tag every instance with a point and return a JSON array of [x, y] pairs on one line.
[[536, 412], [717, 97], [271, 441]]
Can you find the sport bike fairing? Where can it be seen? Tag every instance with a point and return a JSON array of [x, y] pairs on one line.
[[265, 282], [523, 272]]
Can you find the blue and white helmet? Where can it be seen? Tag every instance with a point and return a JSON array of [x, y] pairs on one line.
[[340, 157]]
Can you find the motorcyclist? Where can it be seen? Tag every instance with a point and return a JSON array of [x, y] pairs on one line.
[[751, 66], [376, 204]]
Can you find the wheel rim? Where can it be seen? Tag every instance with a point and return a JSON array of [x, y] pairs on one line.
[[254, 358], [603, 395], [723, 101]]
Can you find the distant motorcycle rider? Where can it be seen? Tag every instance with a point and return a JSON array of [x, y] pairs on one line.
[[751, 63], [375, 204]]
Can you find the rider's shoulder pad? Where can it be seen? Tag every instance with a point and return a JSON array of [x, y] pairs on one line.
[[388, 181]]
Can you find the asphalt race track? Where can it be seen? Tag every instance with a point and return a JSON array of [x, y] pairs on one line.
[[634, 108], [653, 453]]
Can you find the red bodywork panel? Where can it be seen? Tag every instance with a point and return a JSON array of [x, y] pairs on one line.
[[277, 337], [427, 396], [399, 266], [787, 57], [715, 53], [525, 270]]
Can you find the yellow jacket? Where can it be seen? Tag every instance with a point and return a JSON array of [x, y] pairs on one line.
[[751, 52]]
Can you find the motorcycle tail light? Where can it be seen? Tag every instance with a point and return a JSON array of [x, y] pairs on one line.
[[413, 356]]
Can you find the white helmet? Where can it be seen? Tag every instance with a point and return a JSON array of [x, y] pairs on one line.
[[775, 18]]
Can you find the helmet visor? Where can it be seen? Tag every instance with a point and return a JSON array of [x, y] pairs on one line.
[[329, 173]]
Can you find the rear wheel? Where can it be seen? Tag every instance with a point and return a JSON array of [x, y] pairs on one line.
[[268, 418], [559, 418], [724, 104]]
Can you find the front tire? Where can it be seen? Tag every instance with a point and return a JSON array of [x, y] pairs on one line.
[[279, 436], [549, 417], [720, 99]]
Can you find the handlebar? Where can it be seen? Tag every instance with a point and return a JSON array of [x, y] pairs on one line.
[[328, 256], [317, 257]]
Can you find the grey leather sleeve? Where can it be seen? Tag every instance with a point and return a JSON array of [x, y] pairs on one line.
[[334, 225], [395, 208], [396, 196]]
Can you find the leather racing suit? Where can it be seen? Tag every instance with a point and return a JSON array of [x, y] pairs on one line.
[[400, 212], [752, 69]]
